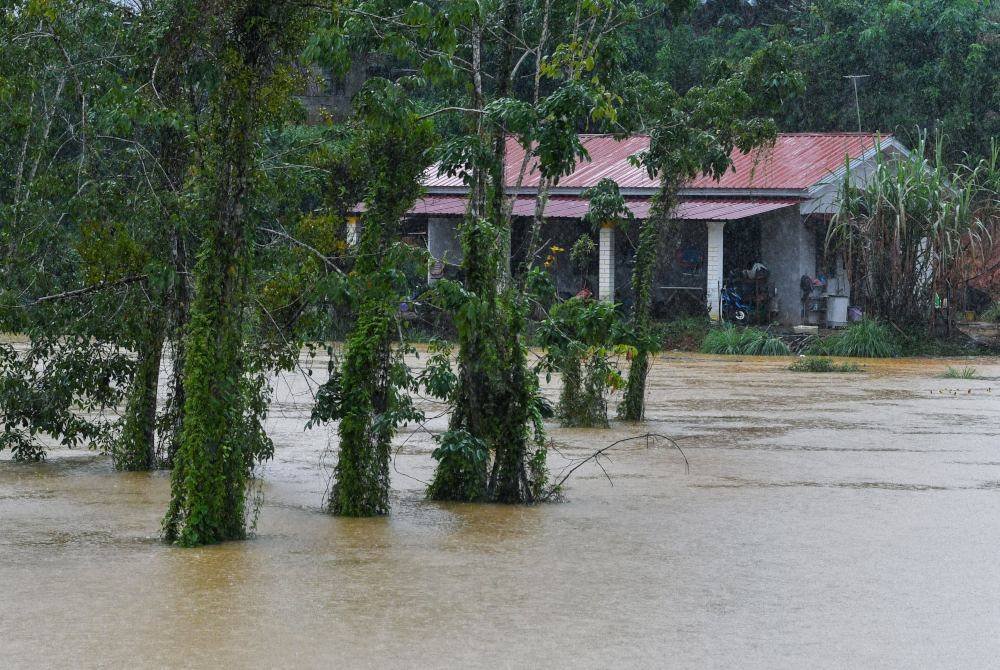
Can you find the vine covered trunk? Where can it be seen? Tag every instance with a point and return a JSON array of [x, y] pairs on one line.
[[365, 396], [495, 392], [212, 464], [361, 486], [657, 226], [135, 448]]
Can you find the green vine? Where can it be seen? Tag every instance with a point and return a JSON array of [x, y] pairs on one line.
[[369, 393], [222, 395], [135, 448]]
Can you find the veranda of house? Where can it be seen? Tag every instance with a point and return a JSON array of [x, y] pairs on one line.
[[772, 208]]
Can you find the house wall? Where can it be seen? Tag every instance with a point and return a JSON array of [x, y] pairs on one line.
[[788, 249]]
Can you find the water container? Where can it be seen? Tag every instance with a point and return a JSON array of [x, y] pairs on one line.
[[836, 311]]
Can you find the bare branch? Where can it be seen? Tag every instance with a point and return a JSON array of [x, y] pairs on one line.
[[99, 286], [650, 438]]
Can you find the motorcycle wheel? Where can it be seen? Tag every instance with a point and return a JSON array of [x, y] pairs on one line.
[[739, 316]]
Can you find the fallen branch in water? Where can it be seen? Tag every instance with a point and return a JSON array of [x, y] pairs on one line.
[[596, 456]]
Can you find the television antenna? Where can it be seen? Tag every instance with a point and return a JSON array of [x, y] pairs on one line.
[[857, 105]]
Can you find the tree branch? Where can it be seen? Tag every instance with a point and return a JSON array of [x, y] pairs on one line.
[[99, 286]]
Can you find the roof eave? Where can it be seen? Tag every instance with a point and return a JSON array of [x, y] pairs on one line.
[[643, 192]]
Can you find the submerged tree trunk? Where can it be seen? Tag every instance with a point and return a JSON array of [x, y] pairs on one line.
[[210, 473], [135, 448], [361, 479], [495, 392], [365, 395], [179, 304], [658, 224], [211, 470]]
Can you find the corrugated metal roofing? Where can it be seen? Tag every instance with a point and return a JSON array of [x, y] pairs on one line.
[[573, 207], [796, 161]]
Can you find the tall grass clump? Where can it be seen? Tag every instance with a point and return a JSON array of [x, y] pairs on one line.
[[867, 338], [968, 372], [912, 230], [734, 341]]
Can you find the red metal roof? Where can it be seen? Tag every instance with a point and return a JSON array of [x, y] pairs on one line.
[[795, 162], [575, 207]]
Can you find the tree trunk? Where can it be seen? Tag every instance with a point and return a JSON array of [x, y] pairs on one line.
[[633, 405], [211, 468], [135, 449]]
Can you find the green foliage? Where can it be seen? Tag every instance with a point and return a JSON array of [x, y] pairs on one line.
[[581, 254], [867, 338], [931, 64], [992, 313], [606, 204], [578, 337], [815, 364], [733, 340], [967, 372], [35, 400], [437, 377], [906, 226], [684, 334], [79, 262], [462, 459]]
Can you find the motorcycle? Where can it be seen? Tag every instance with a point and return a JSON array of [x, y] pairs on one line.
[[733, 307]]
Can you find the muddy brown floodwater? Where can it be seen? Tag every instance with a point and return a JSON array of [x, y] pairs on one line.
[[828, 520]]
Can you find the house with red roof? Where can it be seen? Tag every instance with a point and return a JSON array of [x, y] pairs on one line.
[[770, 209]]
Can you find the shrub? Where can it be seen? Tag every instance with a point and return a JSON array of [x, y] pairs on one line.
[[865, 339], [732, 341], [815, 364], [686, 333], [967, 372], [579, 338], [992, 313]]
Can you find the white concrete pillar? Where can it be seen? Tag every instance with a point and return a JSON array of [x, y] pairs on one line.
[[714, 265], [606, 263], [352, 231]]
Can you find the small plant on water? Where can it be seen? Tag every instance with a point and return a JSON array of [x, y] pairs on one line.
[[816, 364], [967, 372]]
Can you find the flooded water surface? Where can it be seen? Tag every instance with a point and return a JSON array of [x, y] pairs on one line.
[[827, 520]]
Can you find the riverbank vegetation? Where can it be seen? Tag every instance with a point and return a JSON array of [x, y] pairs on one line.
[[733, 340], [865, 339], [173, 218]]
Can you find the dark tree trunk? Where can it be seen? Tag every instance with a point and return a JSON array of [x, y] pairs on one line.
[[135, 448], [211, 465]]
